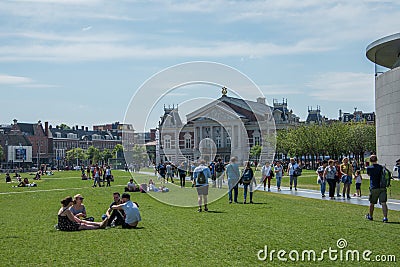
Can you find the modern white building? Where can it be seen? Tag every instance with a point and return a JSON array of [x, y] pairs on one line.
[[385, 52]]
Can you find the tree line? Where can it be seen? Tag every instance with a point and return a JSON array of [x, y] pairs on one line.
[[93, 154], [334, 140]]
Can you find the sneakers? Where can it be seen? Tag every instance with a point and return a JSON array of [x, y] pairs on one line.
[[295, 189], [251, 202], [199, 210], [368, 217], [323, 195], [205, 209], [385, 220], [244, 202]]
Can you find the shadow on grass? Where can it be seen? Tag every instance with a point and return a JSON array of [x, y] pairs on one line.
[[131, 229], [214, 211], [393, 222]]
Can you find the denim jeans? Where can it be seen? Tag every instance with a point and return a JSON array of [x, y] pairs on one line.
[[250, 186], [278, 181], [293, 179], [323, 187], [233, 185]]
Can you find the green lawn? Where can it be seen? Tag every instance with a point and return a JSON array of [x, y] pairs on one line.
[[228, 235]]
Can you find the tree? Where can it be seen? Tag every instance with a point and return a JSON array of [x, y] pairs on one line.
[[75, 154], [255, 152], [118, 151], [63, 126], [335, 140], [139, 155], [1, 153], [93, 154], [106, 155]]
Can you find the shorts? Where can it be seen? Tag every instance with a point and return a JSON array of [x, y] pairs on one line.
[[202, 189], [377, 193], [358, 186], [128, 226]]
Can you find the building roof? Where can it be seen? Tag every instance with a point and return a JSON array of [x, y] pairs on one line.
[[14, 140], [27, 128], [82, 134], [385, 51]]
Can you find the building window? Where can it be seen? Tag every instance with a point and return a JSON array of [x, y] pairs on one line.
[[167, 143], [256, 140], [218, 141], [207, 129], [187, 143], [72, 136], [228, 141]]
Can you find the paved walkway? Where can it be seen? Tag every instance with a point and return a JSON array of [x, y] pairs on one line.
[[393, 204]]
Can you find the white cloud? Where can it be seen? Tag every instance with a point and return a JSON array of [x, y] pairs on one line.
[[280, 90], [343, 87], [21, 81], [14, 80], [88, 28], [87, 51]]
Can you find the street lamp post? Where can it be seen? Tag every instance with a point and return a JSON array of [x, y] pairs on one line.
[[38, 155]]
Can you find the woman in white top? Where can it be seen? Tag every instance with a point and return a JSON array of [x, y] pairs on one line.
[[266, 175]]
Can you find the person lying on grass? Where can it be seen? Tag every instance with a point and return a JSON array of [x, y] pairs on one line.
[[68, 222]]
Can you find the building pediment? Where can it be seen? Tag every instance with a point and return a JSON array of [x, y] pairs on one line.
[[218, 112]]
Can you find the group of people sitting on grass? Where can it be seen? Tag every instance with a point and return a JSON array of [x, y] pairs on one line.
[[144, 188], [122, 211]]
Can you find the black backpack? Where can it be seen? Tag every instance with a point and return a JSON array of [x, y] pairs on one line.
[[297, 171], [386, 176], [201, 178], [246, 177], [219, 167]]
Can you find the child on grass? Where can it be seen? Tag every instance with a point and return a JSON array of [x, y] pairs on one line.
[[358, 178]]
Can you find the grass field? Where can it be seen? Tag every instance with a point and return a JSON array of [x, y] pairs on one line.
[[228, 235]]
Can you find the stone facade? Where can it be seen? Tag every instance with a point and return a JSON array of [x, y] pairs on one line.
[[226, 127]]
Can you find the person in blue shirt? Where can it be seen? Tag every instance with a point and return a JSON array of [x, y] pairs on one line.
[[201, 174], [233, 174], [131, 209], [376, 190], [293, 178]]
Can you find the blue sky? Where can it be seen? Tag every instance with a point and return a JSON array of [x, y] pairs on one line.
[[80, 62]]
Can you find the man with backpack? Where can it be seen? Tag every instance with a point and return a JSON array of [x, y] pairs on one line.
[[219, 172], [201, 175], [377, 174], [292, 170], [248, 181]]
